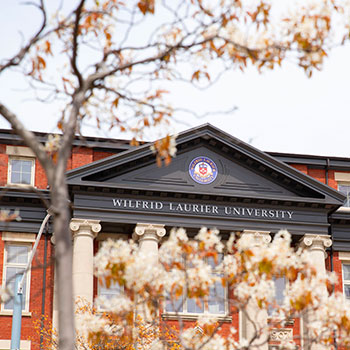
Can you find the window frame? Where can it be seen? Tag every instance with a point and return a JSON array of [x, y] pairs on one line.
[[27, 276], [99, 286], [9, 171], [347, 200], [184, 313], [344, 281]]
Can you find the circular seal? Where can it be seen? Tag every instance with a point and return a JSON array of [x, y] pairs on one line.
[[203, 170]]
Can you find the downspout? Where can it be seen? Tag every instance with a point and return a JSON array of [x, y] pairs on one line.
[[44, 291], [331, 249], [333, 286], [327, 169]]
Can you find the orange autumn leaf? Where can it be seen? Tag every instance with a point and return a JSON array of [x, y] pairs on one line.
[[48, 47], [146, 6]]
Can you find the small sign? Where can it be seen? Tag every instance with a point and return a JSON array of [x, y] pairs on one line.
[[203, 170]]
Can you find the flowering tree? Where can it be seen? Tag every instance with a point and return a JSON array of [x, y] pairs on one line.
[[145, 336], [248, 270], [112, 61]]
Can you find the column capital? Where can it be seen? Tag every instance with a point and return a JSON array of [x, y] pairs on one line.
[[83, 227], [260, 236], [316, 242], [151, 231]]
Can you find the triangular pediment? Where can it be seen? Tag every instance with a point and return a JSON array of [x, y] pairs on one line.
[[241, 171]]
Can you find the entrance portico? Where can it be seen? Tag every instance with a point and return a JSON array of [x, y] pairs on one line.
[[251, 192]]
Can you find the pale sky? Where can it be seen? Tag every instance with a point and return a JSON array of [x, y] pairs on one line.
[[281, 110]]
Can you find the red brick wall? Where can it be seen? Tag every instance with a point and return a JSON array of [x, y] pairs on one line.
[[337, 267], [318, 174], [40, 177], [100, 155], [81, 156], [331, 180], [3, 165], [35, 304], [300, 167]]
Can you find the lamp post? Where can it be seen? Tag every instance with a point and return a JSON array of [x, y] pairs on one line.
[[18, 295]]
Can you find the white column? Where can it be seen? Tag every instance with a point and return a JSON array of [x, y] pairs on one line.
[[255, 319], [316, 244], [84, 232], [149, 236]]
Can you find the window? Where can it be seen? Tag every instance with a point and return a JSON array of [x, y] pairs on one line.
[[107, 293], [280, 286], [15, 261], [215, 304], [346, 280], [345, 190], [21, 171], [114, 290], [102, 290]]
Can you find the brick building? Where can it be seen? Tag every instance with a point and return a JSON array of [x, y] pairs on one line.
[[117, 190]]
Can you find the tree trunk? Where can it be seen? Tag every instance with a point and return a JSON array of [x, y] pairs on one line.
[[63, 261]]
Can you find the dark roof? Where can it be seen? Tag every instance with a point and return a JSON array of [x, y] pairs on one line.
[[102, 143], [92, 174], [336, 163], [9, 137]]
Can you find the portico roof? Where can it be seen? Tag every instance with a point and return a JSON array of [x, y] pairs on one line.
[[242, 172]]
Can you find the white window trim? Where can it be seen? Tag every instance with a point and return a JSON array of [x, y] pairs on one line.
[[6, 344], [9, 171], [19, 151], [343, 183], [21, 237], [342, 178], [344, 282], [25, 312], [344, 258]]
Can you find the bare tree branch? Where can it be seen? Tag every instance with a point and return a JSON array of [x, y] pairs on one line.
[[17, 58], [74, 57]]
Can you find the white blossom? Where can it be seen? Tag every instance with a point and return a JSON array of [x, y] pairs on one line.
[[150, 274], [210, 239], [228, 265], [206, 319], [119, 304], [5, 294], [88, 323], [52, 144], [249, 269]]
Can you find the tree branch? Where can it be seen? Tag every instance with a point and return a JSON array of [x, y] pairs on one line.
[[161, 56], [17, 59], [75, 42]]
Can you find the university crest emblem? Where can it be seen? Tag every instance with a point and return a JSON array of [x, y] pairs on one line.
[[203, 170]]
